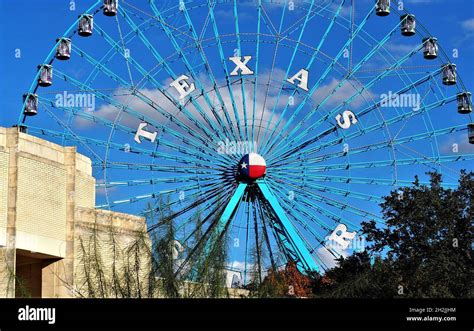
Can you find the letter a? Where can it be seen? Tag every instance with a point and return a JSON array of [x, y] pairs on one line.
[[302, 76], [22, 314]]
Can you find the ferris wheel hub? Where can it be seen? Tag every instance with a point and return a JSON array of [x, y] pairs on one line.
[[252, 166]]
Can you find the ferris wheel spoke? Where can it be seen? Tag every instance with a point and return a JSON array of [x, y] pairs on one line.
[[202, 203], [289, 67], [307, 67], [153, 195], [198, 43], [200, 200], [188, 178], [379, 145], [242, 85], [173, 75], [190, 67], [413, 85], [389, 143], [336, 203], [127, 109], [189, 157], [258, 214], [387, 163], [179, 33], [410, 152], [224, 65], [327, 71], [119, 29], [325, 188], [350, 99], [136, 92], [390, 182], [389, 54], [149, 196], [191, 192], [382, 124], [257, 63], [216, 230], [270, 248], [304, 214], [308, 205], [159, 168], [71, 135], [153, 144], [272, 69], [281, 254], [296, 26]]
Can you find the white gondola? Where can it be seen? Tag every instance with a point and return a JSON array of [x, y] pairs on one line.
[[382, 7], [464, 102], [430, 48], [110, 7], [449, 74], [45, 77], [85, 25], [408, 24], [31, 104], [470, 130], [63, 51]]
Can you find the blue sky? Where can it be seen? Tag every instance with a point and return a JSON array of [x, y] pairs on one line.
[[31, 27]]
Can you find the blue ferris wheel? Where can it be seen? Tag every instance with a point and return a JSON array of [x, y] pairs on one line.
[[280, 124]]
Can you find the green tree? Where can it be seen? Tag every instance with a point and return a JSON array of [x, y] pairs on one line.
[[424, 249], [163, 243], [356, 277]]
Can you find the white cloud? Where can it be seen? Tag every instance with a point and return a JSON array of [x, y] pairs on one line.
[[342, 94], [468, 24], [460, 142], [328, 260], [400, 48], [124, 97]]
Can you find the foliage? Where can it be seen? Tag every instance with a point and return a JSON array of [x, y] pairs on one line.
[[287, 282], [424, 250], [208, 260], [163, 243]]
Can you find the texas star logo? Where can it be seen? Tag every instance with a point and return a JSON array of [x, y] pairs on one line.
[[252, 166]]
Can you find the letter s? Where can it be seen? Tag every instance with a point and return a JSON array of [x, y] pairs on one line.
[[348, 117]]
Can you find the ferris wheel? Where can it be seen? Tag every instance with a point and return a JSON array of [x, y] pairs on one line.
[[280, 124]]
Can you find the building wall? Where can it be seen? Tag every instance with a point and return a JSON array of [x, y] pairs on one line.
[[47, 199], [3, 193], [41, 206], [39, 203]]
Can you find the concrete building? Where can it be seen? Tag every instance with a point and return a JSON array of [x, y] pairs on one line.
[[47, 217]]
